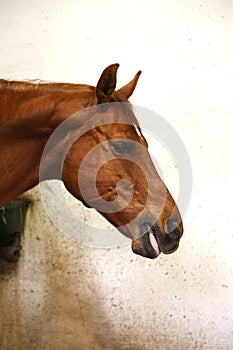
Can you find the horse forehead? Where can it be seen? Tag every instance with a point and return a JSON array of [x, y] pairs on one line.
[[122, 114], [120, 129]]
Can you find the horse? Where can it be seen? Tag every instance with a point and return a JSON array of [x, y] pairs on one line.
[[31, 111]]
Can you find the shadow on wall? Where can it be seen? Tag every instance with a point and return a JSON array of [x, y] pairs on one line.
[[50, 299]]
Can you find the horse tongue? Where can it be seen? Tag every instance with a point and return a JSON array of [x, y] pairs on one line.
[[152, 239]]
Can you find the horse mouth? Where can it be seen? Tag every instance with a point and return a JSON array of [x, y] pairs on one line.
[[147, 245]]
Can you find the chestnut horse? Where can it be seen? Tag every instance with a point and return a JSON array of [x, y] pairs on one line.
[[31, 112]]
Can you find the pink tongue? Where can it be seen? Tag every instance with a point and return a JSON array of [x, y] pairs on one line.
[[152, 239]]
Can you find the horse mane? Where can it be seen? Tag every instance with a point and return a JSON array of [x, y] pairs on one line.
[[37, 84]]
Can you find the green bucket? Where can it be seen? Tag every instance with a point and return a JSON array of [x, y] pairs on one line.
[[12, 216]]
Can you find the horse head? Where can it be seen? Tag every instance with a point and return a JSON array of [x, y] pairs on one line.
[[109, 168]]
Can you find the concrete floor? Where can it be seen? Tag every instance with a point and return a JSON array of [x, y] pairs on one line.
[[64, 296]]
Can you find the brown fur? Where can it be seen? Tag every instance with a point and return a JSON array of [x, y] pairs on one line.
[[30, 112]]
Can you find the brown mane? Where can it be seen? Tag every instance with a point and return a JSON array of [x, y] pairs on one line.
[[42, 85]]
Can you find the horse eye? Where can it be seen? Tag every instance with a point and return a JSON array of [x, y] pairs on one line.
[[120, 148]]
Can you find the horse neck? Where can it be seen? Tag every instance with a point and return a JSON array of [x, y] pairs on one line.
[[28, 116]]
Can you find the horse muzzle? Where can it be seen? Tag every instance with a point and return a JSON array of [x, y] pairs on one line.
[[153, 241]]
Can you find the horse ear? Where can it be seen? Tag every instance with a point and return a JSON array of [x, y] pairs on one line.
[[107, 83], [128, 89]]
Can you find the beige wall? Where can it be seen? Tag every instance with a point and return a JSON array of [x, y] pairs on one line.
[[63, 296]]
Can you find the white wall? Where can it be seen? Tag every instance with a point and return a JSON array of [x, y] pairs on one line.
[[64, 296]]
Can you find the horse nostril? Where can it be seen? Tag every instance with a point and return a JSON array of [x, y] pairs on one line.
[[173, 228]]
